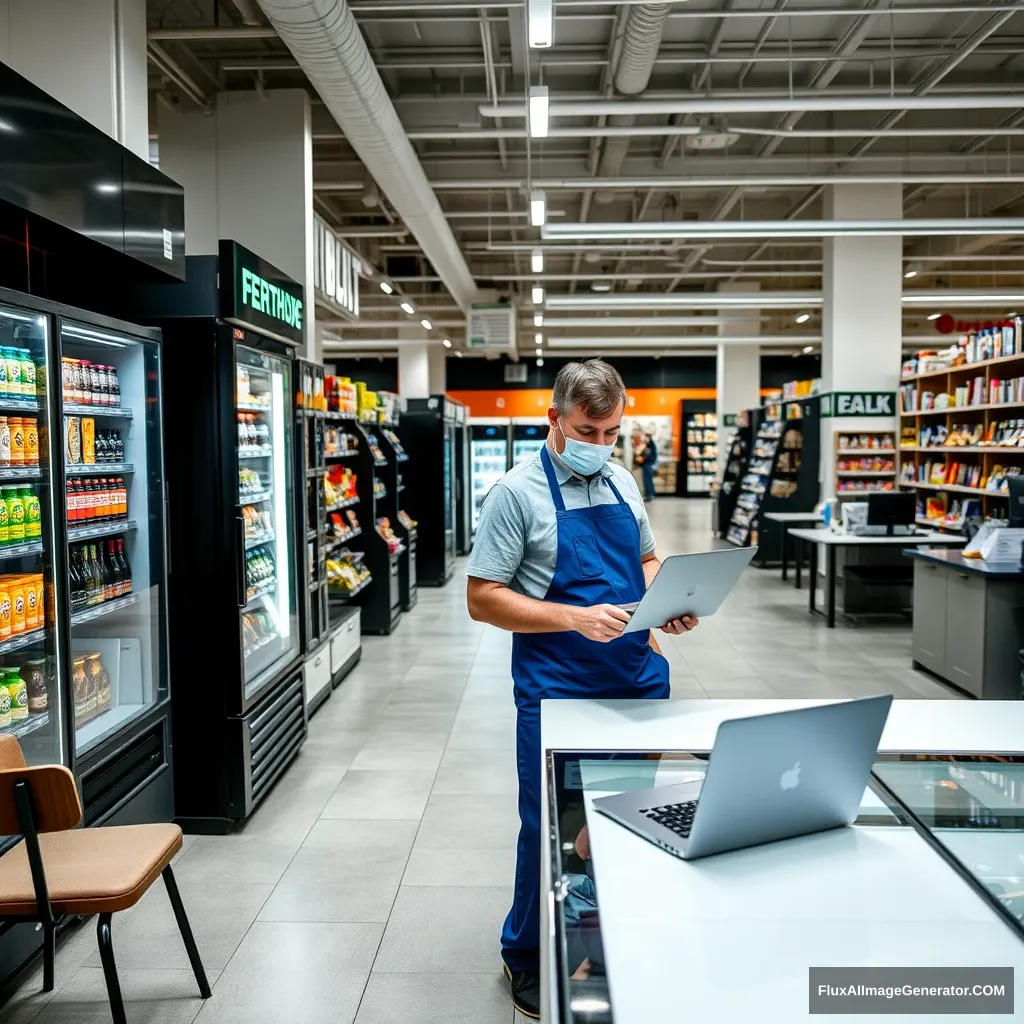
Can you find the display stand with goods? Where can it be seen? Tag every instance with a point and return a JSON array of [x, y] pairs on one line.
[[734, 468], [698, 459], [403, 526], [962, 425], [781, 475], [464, 505], [430, 431], [865, 462]]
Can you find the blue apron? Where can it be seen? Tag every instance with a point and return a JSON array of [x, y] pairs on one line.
[[598, 562]]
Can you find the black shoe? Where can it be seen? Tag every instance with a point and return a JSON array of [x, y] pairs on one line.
[[525, 989]]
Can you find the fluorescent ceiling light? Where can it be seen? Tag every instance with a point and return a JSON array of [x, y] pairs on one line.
[[808, 349], [963, 298], [539, 208], [538, 338], [910, 273], [408, 307], [601, 286], [537, 295], [537, 261], [458, 352], [802, 318], [540, 21], [538, 112], [680, 341], [386, 288], [446, 343], [538, 319], [692, 300], [426, 325], [540, 351], [540, 362], [935, 316]]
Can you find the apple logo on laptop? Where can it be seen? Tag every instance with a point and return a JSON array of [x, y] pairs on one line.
[[790, 779]]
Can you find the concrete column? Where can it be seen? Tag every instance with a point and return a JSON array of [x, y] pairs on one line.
[[862, 314], [413, 363], [88, 54], [738, 378], [247, 170], [438, 366]]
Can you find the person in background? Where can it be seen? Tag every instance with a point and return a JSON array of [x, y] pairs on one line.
[[562, 541], [648, 459]]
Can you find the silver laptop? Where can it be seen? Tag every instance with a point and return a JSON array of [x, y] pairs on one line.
[[694, 584], [770, 777]]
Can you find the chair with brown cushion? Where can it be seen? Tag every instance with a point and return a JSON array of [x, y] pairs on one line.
[[58, 869]]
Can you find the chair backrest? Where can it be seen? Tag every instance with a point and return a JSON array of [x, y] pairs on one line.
[[54, 795]]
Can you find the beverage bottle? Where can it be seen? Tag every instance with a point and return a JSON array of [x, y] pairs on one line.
[[14, 386], [115, 568], [126, 568], [241, 431], [101, 446], [5, 520], [4, 392], [122, 506], [17, 425], [33, 514], [115, 387], [5, 440], [31, 441], [101, 498], [118, 446], [74, 502], [16, 511], [97, 575], [106, 578], [74, 579], [28, 373]]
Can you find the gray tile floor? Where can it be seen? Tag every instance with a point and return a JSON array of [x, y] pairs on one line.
[[371, 885]]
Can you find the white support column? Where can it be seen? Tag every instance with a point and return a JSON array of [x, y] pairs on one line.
[[862, 316], [88, 54], [247, 171], [413, 363], [738, 377], [438, 357]]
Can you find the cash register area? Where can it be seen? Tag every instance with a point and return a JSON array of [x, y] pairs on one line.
[[373, 881]]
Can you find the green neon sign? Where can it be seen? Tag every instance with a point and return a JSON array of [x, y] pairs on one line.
[[269, 299]]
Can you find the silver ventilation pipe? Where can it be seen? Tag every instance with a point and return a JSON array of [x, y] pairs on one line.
[[640, 43], [324, 38]]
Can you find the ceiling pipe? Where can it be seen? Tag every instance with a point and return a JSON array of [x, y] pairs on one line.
[[420, 8], [960, 298], [177, 74], [682, 340], [250, 12], [324, 38], [777, 229], [227, 33], [762, 105]]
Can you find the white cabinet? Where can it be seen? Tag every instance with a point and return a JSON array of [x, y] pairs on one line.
[[346, 641], [317, 674]]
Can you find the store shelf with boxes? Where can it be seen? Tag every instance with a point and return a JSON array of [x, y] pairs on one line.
[[699, 462], [734, 468], [865, 462], [781, 475], [962, 426]]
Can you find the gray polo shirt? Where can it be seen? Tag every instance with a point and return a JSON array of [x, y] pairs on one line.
[[517, 534]]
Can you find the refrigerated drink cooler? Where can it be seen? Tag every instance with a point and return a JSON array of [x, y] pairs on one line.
[[528, 437], [489, 459], [236, 642]]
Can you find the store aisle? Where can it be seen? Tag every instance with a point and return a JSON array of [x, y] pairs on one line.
[[371, 885]]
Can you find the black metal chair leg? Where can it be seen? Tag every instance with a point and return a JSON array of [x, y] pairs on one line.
[[186, 932], [110, 970], [49, 956]]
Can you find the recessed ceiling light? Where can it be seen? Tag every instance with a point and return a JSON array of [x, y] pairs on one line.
[[537, 261], [426, 325], [538, 319], [408, 307], [802, 318], [601, 286], [910, 273], [808, 349], [935, 316], [540, 362], [446, 343], [540, 351], [537, 295], [458, 353], [386, 288], [538, 338]]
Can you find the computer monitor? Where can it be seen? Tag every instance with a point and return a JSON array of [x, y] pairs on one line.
[[1015, 491], [892, 508]]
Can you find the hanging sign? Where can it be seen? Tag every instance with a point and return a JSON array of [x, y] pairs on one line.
[[337, 271], [859, 403], [256, 294], [729, 419]]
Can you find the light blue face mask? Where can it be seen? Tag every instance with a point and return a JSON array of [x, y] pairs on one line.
[[584, 458]]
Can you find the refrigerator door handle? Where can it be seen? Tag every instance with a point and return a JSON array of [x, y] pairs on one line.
[[240, 548], [167, 532]]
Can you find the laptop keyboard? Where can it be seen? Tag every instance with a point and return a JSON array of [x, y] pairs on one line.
[[677, 817]]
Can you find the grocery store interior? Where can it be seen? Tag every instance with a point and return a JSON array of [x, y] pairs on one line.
[[289, 287]]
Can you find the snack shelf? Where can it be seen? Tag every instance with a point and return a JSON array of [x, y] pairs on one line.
[[866, 451], [123, 412], [29, 547], [344, 503], [953, 488], [851, 473], [26, 725], [255, 498], [944, 371], [260, 645], [108, 528], [955, 409], [97, 468], [264, 538], [340, 417], [256, 453], [106, 608], [947, 449], [333, 592], [252, 407], [21, 473], [347, 453], [16, 643], [342, 541], [260, 590], [8, 404]]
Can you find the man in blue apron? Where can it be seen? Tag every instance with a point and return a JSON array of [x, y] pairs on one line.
[[562, 540]]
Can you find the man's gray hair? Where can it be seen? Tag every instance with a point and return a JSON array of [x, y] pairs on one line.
[[594, 386]]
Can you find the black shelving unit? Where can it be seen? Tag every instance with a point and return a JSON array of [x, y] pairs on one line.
[[698, 449], [408, 589], [732, 470], [781, 475]]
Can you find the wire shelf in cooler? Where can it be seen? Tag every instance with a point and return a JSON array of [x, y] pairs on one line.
[[108, 528], [333, 416], [342, 541], [260, 590], [27, 639], [98, 468], [123, 412], [20, 473], [106, 608], [263, 452], [251, 407], [345, 453], [260, 644], [344, 503], [263, 538], [26, 725], [255, 498], [20, 550]]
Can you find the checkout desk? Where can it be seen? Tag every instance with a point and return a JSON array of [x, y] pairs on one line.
[[932, 874]]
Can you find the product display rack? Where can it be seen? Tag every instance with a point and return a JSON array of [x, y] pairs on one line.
[[781, 475], [698, 464], [403, 525], [958, 456], [734, 468], [865, 462]]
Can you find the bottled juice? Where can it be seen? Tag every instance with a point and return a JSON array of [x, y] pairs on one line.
[[5, 440], [28, 373], [19, 694], [5, 521], [5, 707], [17, 592], [14, 386], [37, 585], [5, 608], [16, 513], [31, 441], [31, 604], [33, 514], [17, 425]]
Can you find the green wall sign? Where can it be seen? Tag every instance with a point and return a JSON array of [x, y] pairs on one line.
[[858, 403], [729, 419], [255, 293]]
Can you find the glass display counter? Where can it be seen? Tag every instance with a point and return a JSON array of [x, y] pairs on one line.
[[970, 808]]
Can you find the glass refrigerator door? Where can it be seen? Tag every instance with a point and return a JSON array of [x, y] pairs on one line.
[[266, 522], [114, 504], [489, 458], [449, 489], [30, 658]]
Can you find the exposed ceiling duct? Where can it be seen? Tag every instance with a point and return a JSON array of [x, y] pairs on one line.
[[640, 43], [324, 38]]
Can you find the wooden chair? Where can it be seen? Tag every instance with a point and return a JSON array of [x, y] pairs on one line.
[[58, 869]]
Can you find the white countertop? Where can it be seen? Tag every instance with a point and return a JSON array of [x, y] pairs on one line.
[[729, 939], [822, 535], [793, 517]]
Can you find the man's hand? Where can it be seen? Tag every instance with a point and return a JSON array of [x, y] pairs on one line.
[[678, 626], [602, 623]]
